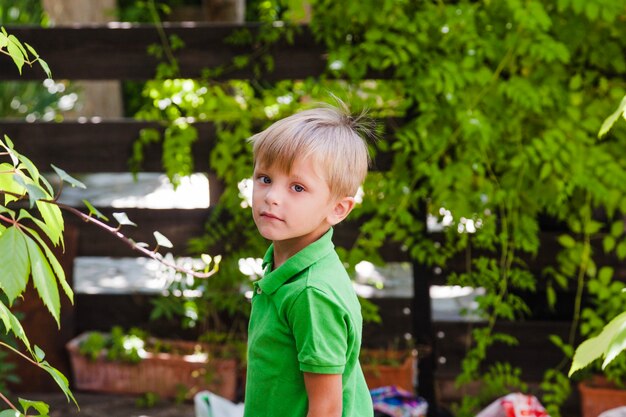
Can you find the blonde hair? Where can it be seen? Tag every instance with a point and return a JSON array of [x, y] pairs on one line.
[[329, 135]]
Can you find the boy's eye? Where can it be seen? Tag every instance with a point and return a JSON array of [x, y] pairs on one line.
[[265, 179], [298, 188]]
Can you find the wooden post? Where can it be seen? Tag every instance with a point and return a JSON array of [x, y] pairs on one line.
[[97, 98], [423, 334]]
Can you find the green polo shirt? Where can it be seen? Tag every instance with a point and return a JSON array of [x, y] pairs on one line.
[[305, 318]]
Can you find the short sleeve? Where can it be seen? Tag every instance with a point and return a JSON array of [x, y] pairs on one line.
[[321, 332]]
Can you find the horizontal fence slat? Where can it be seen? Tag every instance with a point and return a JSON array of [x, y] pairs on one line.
[[96, 147], [119, 51], [106, 146]]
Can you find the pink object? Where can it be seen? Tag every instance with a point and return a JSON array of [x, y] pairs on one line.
[[514, 405]]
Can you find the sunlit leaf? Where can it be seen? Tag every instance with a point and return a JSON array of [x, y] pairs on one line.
[[14, 262], [67, 177], [596, 347], [617, 343], [16, 42], [10, 413], [95, 211], [610, 121], [162, 240], [8, 184], [8, 143], [567, 241], [123, 219], [51, 214], [54, 263], [44, 280], [42, 408], [10, 150], [31, 50], [16, 55]]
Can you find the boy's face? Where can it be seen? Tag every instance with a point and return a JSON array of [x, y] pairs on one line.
[[292, 209]]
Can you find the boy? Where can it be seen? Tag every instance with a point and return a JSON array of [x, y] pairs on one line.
[[305, 326]]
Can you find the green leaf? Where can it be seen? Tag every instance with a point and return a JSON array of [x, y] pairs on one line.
[[40, 406], [592, 10], [162, 240], [39, 354], [52, 216], [567, 241], [605, 274], [14, 40], [16, 54], [617, 228], [123, 219], [10, 413], [14, 261], [67, 177], [4, 41], [35, 192], [616, 345], [621, 250], [44, 280], [54, 263], [596, 347], [593, 226], [13, 324], [610, 121], [551, 295], [608, 243], [95, 211], [7, 183], [30, 167], [60, 379], [31, 50], [10, 150], [45, 67]]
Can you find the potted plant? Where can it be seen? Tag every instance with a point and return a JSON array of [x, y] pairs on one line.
[[602, 385], [604, 324], [133, 363], [385, 367], [213, 313]]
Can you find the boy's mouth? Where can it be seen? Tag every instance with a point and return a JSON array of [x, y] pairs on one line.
[[270, 216]]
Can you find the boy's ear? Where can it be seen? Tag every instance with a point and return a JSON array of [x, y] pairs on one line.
[[340, 211]]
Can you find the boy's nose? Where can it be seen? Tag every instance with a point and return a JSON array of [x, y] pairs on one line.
[[272, 196]]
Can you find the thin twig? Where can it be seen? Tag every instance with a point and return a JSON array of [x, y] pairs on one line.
[[9, 403], [119, 235]]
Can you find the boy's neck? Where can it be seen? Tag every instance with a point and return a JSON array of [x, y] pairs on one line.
[[285, 249]]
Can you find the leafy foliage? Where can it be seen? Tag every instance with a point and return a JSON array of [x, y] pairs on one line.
[[500, 105], [29, 232], [116, 346]]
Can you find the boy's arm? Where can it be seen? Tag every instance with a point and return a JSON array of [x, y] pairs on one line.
[[325, 393]]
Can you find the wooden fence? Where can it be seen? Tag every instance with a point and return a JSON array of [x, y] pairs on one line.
[[118, 51]]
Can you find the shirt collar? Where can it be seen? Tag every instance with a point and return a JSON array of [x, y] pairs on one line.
[[272, 280]]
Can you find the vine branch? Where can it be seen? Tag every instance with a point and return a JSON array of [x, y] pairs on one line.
[[119, 235]]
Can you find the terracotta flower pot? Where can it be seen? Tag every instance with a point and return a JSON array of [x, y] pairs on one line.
[[383, 367], [598, 395], [160, 373]]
